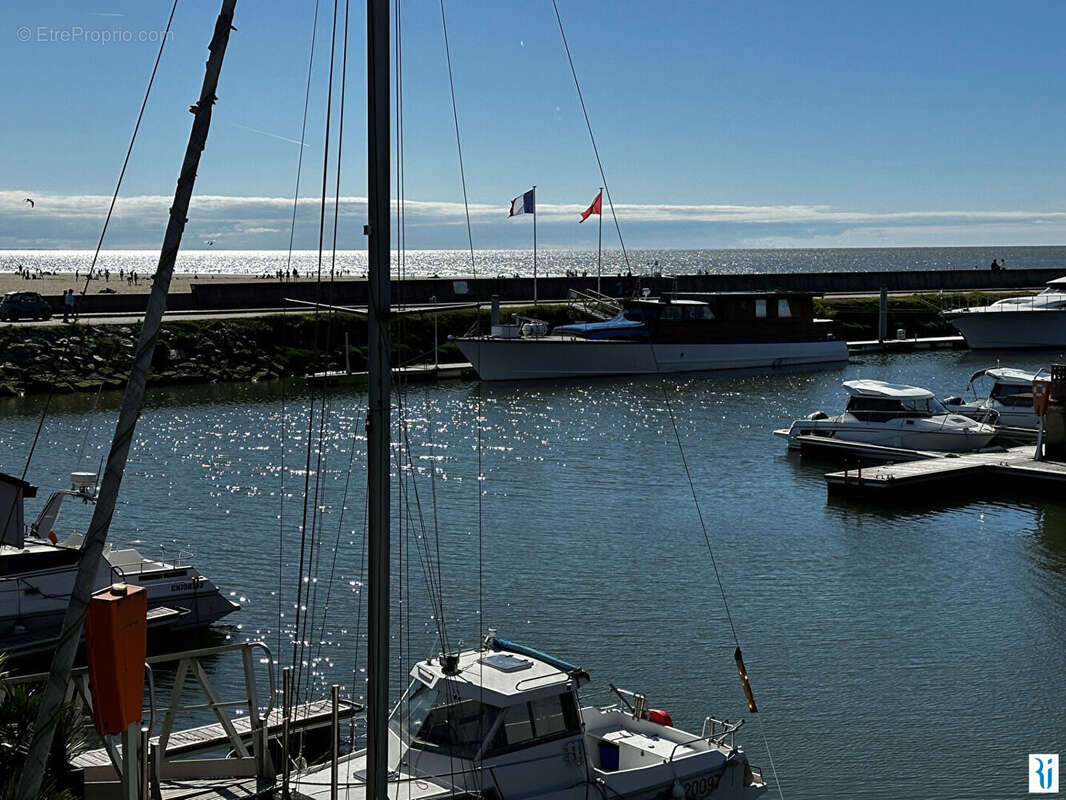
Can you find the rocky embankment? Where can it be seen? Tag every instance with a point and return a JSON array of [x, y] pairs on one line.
[[81, 357], [76, 358]]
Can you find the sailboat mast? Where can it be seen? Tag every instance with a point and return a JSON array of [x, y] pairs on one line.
[[378, 415], [96, 536]]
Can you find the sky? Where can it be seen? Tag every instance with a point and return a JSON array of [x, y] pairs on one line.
[[718, 124]]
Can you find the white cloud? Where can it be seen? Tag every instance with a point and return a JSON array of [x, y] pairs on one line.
[[61, 220]]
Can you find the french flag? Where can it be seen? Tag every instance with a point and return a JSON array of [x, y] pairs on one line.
[[523, 204]]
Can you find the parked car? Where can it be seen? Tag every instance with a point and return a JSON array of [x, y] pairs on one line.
[[23, 305]]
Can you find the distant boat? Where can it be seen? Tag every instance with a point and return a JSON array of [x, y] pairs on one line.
[[1016, 322], [37, 572], [670, 334], [895, 415], [1009, 402]]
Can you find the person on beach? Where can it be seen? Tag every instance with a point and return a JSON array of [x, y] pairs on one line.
[[68, 304]]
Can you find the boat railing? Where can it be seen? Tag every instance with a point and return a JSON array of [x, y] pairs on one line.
[[720, 731], [244, 738], [594, 303]]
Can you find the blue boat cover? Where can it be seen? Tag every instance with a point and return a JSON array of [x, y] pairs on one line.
[[617, 328]]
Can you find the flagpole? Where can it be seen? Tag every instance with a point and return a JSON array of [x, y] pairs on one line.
[[599, 246], [534, 244]]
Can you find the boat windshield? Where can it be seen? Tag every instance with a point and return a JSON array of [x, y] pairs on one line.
[[883, 409], [427, 720]]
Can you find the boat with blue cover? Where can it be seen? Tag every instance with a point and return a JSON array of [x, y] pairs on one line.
[[661, 335]]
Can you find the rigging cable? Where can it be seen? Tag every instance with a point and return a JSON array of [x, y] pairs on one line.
[[592, 138], [458, 142], [288, 264], [717, 575], [129, 152], [300, 645]]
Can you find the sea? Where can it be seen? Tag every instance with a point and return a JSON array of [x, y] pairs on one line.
[[492, 263], [904, 651]]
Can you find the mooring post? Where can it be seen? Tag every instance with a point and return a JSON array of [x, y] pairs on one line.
[[882, 320]]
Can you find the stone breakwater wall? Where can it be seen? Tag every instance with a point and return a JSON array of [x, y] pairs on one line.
[[224, 295], [77, 358]]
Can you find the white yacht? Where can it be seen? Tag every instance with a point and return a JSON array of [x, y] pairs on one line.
[[1009, 402], [37, 572], [505, 720], [1016, 322], [662, 335], [895, 415]]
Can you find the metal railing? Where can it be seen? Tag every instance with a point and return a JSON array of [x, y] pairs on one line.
[[594, 303]]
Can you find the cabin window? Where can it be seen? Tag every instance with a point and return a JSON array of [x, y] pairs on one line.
[[1013, 395], [698, 312], [760, 309], [876, 409], [670, 312], [456, 728], [783, 309], [542, 720]]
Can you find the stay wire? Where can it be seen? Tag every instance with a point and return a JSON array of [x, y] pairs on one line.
[[337, 542], [302, 591], [714, 562], [129, 152], [592, 137], [458, 140], [284, 396]]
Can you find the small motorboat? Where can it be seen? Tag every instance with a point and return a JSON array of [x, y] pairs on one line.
[[1009, 402], [895, 415], [38, 570]]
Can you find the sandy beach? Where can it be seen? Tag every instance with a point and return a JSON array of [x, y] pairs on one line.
[[56, 284]]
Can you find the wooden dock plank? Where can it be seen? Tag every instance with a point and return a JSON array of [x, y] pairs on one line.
[[315, 713], [896, 478]]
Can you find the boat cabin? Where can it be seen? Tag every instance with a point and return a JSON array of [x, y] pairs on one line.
[[878, 401], [1010, 387], [720, 316], [482, 704], [12, 492]]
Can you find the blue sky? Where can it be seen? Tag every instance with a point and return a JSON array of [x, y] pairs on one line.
[[719, 124]]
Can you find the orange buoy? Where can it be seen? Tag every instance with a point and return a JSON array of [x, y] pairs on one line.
[[116, 640]]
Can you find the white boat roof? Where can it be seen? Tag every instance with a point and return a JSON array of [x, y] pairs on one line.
[[496, 677], [896, 391], [1058, 282], [1010, 375]]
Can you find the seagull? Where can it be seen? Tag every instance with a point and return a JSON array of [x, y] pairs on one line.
[[210, 243], [30, 202]]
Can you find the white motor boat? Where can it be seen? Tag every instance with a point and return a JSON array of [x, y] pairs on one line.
[[1009, 402], [507, 721], [895, 415], [1016, 322], [37, 572]]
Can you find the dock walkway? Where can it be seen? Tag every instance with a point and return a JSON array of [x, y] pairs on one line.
[[970, 471]]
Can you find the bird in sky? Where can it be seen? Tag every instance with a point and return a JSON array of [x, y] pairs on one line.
[[30, 202], [210, 243]]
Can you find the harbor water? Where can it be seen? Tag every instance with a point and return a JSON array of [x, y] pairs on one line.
[[907, 652], [551, 261]]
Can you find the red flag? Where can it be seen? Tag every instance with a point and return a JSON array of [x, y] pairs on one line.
[[595, 208]]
